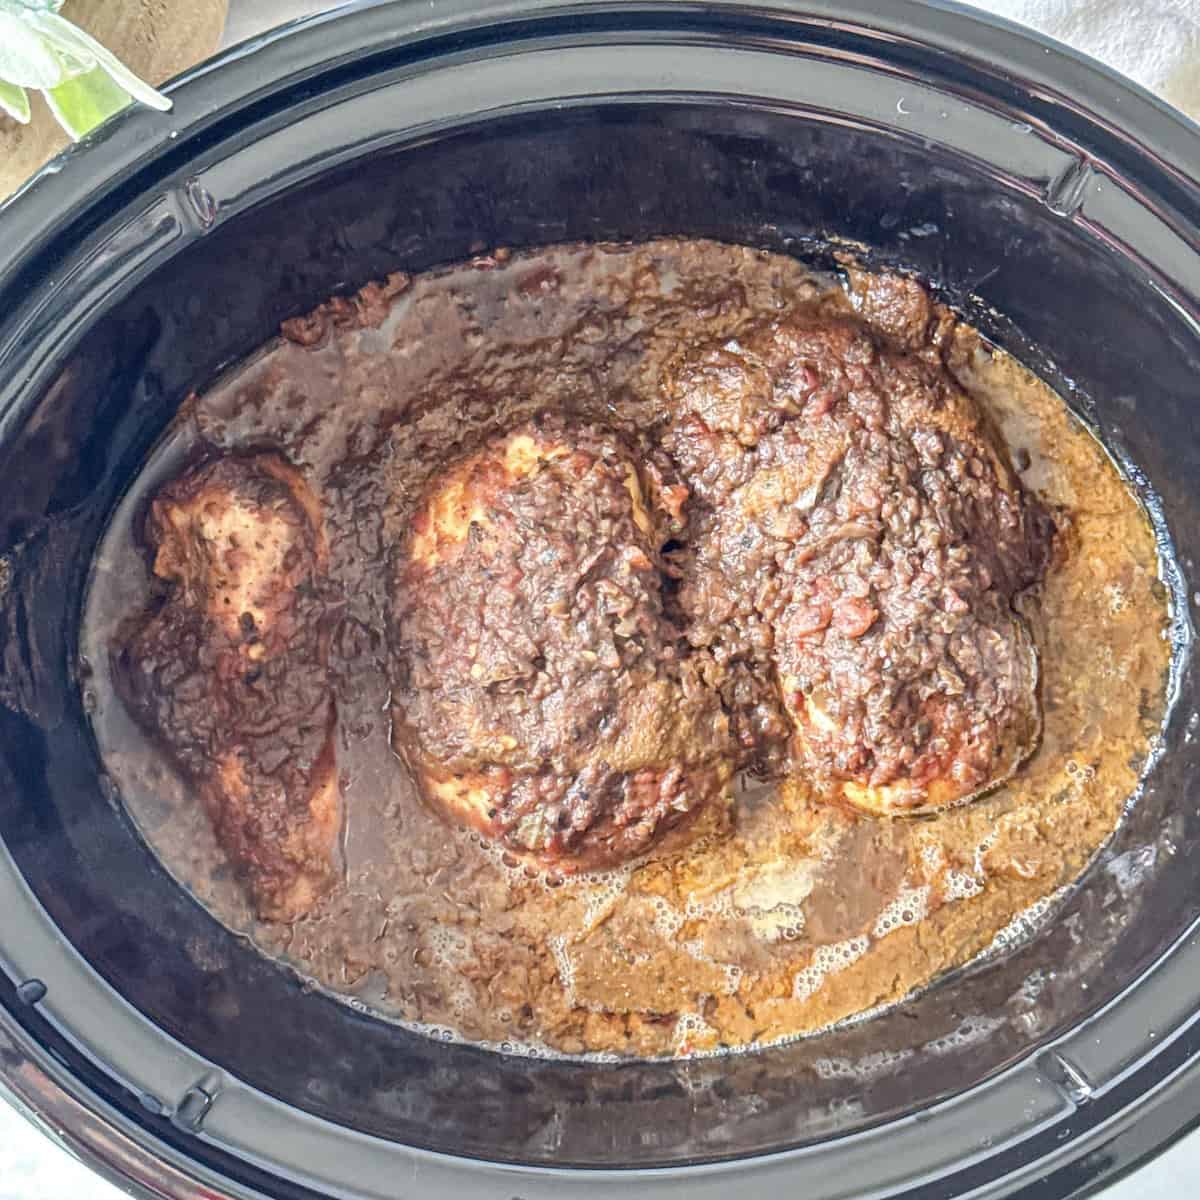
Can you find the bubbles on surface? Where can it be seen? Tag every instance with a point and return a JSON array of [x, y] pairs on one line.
[[1080, 773], [784, 922], [667, 919], [908, 908], [971, 1029], [462, 1000], [448, 946], [601, 892], [828, 960], [953, 884], [715, 904], [1026, 923], [514, 872], [562, 961], [597, 891], [981, 852], [960, 885], [864, 1069], [732, 971], [689, 1026], [439, 1033], [442, 1033]]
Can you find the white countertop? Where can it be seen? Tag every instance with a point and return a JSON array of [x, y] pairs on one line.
[[33, 1168]]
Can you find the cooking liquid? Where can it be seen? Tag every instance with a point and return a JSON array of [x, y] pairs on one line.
[[807, 915]]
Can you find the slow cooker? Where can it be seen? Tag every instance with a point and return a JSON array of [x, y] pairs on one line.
[[1052, 203]]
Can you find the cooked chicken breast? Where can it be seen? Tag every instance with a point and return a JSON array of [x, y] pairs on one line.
[[229, 671], [859, 528], [542, 695]]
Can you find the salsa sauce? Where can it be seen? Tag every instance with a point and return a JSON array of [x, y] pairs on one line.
[[805, 913]]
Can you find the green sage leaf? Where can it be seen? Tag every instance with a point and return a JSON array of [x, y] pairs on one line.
[[26, 58], [74, 40], [82, 103], [14, 101]]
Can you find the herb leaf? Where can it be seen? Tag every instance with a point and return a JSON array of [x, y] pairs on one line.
[[84, 84], [74, 40], [14, 101], [82, 103], [25, 58]]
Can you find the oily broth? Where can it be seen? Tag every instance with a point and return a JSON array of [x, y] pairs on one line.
[[807, 915]]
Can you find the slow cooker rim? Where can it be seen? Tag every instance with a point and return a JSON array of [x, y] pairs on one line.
[[36, 206], [1027, 60]]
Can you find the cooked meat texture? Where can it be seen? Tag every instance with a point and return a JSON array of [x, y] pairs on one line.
[[898, 308], [542, 694], [858, 542], [229, 671]]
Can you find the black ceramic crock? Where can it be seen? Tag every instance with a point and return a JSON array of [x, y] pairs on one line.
[[1053, 203]]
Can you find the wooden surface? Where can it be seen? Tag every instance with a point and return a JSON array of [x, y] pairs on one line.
[[154, 38]]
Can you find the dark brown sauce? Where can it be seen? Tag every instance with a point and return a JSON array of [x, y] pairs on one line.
[[806, 914]]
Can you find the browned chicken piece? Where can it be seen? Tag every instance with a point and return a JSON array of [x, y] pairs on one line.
[[542, 697], [229, 671], [860, 531]]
